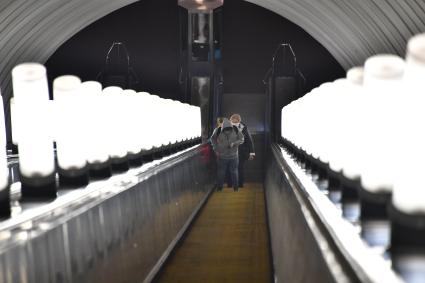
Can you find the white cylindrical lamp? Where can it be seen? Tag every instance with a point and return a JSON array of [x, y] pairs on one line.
[[36, 155], [70, 131], [4, 169], [116, 118], [407, 210], [146, 127], [97, 130], [132, 127], [382, 86], [160, 124]]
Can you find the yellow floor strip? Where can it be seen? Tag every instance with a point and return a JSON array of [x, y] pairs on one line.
[[227, 243]]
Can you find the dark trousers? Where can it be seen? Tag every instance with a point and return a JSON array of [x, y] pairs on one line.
[[243, 157], [227, 165]]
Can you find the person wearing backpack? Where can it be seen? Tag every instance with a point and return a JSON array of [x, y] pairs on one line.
[[246, 150], [218, 126], [226, 141]]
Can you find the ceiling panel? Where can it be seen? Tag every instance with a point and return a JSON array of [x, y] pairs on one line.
[[350, 30]]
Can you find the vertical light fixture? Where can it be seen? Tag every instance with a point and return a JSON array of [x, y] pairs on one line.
[[69, 131], [115, 117], [4, 170], [352, 134], [14, 121], [169, 106], [132, 127], [145, 111], [36, 156], [382, 85], [96, 130], [160, 123], [382, 78], [407, 210], [354, 121]]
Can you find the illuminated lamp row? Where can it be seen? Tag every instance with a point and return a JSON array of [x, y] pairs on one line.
[[97, 131], [367, 130]]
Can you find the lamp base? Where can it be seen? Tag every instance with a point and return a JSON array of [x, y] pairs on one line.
[[100, 171], [5, 209], [374, 205], [73, 178], [135, 160], [119, 164], [38, 187], [157, 153], [147, 156], [408, 244]]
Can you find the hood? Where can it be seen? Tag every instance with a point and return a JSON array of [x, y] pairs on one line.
[[226, 124]]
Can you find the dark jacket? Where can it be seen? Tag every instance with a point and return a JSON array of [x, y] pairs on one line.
[[226, 140], [248, 146]]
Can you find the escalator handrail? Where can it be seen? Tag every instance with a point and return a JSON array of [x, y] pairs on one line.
[[78, 201], [363, 262]]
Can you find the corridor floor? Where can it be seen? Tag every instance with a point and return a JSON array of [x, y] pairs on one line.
[[228, 241]]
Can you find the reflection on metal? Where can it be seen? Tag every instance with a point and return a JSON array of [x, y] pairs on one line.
[[200, 37], [200, 76], [308, 233], [200, 91], [13, 164], [83, 235], [200, 5]]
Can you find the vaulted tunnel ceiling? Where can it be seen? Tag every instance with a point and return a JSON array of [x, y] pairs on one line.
[[350, 30], [354, 30], [33, 30]]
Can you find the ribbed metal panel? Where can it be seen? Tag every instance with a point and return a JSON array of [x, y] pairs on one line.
[[33, 30], [82, 234], [307, 232], [354, 30], [350, 30]]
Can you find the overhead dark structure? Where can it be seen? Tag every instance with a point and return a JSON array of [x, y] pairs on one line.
[[117, 70], [354, 30], [350, 30], [200, 5]]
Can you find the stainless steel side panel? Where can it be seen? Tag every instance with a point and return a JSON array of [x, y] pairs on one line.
[[111, 231], [310, 241]]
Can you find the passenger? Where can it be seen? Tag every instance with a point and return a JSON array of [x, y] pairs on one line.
[[226, 141], [218, 125], [219, 122], [246, 150]]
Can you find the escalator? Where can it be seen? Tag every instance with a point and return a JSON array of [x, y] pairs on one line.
[[162, 222], [228, 242], [114, 230]]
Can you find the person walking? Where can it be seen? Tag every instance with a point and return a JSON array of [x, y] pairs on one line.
[[246, 149], [219, 124], [226, 141]]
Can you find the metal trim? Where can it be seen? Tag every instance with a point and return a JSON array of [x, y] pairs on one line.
[[176, 240], [343, 240]]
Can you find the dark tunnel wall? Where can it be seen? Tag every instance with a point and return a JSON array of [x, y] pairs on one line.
[[151, 33], [150, 29], [251, 35]]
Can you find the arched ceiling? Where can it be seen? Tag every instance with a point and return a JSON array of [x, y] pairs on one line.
[[351, 30], [33, 30]]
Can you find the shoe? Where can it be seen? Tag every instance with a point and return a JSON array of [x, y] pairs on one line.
[[219, 189], [235, 189]]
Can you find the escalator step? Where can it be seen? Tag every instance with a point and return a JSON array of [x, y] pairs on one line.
[[228, 241]]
